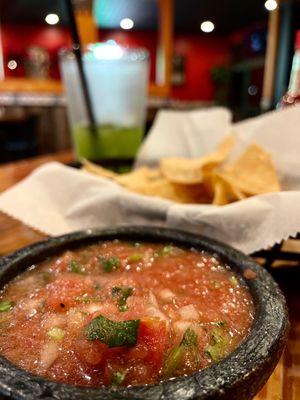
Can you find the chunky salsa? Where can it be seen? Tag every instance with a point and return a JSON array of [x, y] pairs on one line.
[[119, 313]]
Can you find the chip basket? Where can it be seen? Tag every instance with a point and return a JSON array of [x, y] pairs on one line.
[[285, 254]]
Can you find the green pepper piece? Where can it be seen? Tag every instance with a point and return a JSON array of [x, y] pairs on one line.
[[217, 349], [135, 257], [112, 333], [175, 357], [5, 305], [118, 378], [189, 339], [56, 333], [233, 280]]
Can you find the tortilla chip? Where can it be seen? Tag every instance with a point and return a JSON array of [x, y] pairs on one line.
[[224, 191], [201, 181], [150, 182], [97, 169], [217, 157], [138, 178], [190, 171], [220, 197], [191, 194], [182, 170], [253, 172], [185, 194]]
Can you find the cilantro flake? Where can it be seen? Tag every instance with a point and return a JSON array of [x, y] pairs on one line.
[[122, 293], [109, 264], [166, 250], [75, 267]]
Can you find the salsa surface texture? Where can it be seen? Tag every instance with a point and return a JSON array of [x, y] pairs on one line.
[[120, 313]]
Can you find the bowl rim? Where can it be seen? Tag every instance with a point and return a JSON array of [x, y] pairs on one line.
[[261, 348]]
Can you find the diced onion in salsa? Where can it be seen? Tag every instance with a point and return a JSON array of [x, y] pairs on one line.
[[118, 313]]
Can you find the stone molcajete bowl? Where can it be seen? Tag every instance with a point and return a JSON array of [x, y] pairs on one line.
[[238, 376]]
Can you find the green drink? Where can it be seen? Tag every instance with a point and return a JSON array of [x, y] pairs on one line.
[[117, 79], [109, 141]]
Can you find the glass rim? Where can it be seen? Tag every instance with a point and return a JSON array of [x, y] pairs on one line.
[[125, 53]]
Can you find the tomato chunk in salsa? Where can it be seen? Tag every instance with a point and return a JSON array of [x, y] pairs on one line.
[[119, 313]]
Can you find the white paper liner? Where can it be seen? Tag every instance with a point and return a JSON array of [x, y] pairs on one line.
[[56, 199]]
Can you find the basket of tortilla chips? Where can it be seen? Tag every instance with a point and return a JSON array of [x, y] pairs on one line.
[[215, 178]]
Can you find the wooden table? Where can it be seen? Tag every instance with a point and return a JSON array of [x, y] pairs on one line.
[[284, 384]]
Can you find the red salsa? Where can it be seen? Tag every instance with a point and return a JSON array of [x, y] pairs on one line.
[[119, 313]]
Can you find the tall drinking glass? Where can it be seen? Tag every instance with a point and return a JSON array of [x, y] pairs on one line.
[[117, 80]]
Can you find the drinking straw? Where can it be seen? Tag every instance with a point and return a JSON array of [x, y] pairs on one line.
[[78, 56]]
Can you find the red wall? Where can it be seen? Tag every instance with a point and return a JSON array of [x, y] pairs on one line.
[[201, 53], [17, 38]]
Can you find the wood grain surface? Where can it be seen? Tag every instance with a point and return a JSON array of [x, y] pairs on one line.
[[284, 383]]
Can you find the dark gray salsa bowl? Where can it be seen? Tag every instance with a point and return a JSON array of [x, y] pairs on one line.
[[238, 376]]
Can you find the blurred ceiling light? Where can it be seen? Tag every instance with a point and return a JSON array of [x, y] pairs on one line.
[[207, 26], [271, 5], [52, 19], [126, 23], [12, 64]]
